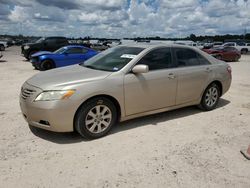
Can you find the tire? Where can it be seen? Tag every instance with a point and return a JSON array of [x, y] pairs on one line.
[[237, 58], [90, 124], [46, 65], [244, 51], [2, 48], [210, 97], [219, 57]]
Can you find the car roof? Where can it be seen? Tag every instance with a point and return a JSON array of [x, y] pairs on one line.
[[75, 46], [155, 45]]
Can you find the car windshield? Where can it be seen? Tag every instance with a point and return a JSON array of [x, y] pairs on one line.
[[40, 40], [113, 59], [60, 50]]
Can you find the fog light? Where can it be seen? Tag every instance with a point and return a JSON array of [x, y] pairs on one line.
[[44, 122]]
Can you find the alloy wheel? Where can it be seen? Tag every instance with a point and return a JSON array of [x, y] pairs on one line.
[[211, 96], [98, 119]]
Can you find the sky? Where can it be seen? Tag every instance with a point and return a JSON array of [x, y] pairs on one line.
[[124, 18]]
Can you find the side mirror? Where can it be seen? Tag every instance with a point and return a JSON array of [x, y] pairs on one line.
[[139, 69]]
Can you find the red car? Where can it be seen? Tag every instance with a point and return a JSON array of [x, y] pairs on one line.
[[224, 53]]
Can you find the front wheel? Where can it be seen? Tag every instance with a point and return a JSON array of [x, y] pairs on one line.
[[95, 118], [210, 97], [46, 65]]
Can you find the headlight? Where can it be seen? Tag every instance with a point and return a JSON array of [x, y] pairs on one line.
[[26, 47], [54, 95]]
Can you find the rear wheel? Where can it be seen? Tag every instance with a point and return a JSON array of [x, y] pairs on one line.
[[237, 57], [46, 65], [210, 97], [95, 118], [2, 48], [244, 51], [219, 57]]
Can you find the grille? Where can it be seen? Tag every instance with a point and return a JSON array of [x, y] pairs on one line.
[[26, 93]]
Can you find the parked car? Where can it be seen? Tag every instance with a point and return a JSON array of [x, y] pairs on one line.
[[43, 44], [122, 83], [64, 56], [3, 45], [224, 53], [217, 44], [98, 47], [242, 47]]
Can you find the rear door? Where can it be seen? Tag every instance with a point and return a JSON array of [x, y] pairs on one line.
[[193, 74]]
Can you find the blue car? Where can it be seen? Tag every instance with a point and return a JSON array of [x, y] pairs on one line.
[[68, 55]]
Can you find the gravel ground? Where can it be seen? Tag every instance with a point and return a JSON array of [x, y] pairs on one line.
[[181, 148]]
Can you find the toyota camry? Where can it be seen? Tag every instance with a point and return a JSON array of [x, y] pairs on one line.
[[122, 83]]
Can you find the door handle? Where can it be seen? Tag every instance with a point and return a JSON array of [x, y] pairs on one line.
[[208, 70], [171, 76]]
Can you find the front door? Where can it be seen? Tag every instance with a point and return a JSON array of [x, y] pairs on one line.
[[155, 89]]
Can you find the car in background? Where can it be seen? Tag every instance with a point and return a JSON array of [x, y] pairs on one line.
[[43, 44], [217, 44], [3, 45], [68, 55], [99, 47], [224, 53], [123, 83], [242, 47]]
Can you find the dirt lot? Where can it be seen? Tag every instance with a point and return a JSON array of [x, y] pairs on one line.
[[181, 148]]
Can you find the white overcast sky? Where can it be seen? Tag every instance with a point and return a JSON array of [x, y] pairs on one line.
[[124, 18]]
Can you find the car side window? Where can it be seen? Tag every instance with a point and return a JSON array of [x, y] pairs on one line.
[[50, 40], [186, 57], [74, 51], [203, 60], [158, 59], [61, 41], [84, 50]]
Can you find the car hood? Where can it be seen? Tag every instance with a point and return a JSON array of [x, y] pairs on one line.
[[41, 53], [67, 76]]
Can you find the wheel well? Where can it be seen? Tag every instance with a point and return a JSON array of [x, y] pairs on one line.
[[112, 99], [51, 60], [244, 49], [218, 83]]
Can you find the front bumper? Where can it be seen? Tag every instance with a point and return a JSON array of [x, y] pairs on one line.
[[57, 116]]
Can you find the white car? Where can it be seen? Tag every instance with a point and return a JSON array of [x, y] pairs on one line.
[[244, 48]]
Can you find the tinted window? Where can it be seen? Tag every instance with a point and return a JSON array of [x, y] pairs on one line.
[[61, 40], [76, 50], [229, 44], [186, 57], [228, 49], [50, 40], [203, 60], [158, 59]]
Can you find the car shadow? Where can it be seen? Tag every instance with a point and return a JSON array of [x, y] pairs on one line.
[[3, 61], [155, 119]]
